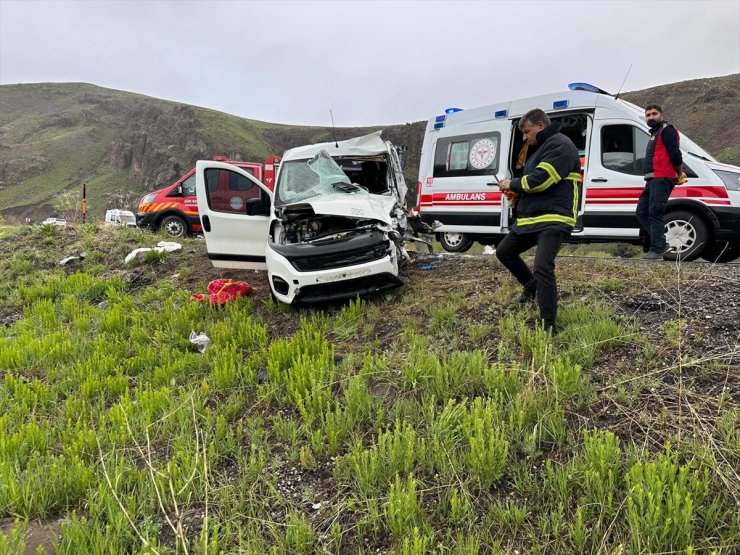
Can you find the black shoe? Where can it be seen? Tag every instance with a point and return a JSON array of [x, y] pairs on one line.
[[529, 294], [526, 297], [550, 328], [652, 255]]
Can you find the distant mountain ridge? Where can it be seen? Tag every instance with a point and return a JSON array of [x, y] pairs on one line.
[[55, 136]]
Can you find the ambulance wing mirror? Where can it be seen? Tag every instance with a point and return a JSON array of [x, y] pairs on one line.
[[493, 183]]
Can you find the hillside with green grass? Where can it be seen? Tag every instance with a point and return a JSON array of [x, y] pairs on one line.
[[434, 419], [707, 110], [56, 136]]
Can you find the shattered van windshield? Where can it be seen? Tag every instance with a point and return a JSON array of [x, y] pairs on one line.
[[320, 176]]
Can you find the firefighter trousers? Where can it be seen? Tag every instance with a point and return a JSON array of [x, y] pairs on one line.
[[540, 282]]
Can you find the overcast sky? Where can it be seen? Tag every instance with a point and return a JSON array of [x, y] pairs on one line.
[[371, 62]]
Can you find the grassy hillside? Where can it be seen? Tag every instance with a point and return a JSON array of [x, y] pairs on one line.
[[55, 136], [434, 419], [707, 110]]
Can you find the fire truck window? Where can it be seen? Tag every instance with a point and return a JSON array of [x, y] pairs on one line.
[[623, 148], [188, 186], [212, 176], [238, 182], [229, 191]]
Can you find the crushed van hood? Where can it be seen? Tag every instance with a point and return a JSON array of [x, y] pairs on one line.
[[368, 207]]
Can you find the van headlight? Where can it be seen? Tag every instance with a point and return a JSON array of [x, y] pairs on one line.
[[147, 199], [730, 179]]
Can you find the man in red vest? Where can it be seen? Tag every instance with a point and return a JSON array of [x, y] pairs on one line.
[[663, 166]]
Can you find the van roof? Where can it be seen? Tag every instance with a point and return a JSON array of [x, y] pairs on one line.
[[566, 101], [367, 145]]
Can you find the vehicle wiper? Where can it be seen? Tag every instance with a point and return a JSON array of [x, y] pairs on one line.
[[699, 156]]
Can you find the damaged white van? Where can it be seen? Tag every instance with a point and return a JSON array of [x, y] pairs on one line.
[[334, 227]]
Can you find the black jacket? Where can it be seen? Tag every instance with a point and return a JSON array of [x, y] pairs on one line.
[[549, 188]]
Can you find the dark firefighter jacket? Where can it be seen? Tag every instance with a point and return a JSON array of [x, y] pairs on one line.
[[549, 188]]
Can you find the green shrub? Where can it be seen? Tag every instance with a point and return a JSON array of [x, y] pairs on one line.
[[663, 499]]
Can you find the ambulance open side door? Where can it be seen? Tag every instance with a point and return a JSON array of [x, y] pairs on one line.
[[583, 186], [234, 210]]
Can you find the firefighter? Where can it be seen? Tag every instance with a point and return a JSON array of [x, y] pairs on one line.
[[547, 207], [663, 167]]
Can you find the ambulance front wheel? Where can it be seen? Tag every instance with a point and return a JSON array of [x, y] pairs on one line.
[[686, 234], [174, 226], [455, 242]]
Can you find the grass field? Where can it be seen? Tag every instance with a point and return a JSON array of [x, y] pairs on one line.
[[435, 419]]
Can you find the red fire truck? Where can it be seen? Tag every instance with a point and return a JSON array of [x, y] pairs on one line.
[[174, 209]]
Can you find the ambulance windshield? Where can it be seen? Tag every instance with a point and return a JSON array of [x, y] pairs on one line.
[[320, 176], [694, 149]]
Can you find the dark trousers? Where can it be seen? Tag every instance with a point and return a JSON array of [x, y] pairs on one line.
[[651, 210], [542, 280]]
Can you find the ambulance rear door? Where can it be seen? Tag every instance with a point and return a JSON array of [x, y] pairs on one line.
[[467, 162]]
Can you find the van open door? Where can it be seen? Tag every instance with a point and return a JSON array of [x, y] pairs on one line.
[[234, 210]]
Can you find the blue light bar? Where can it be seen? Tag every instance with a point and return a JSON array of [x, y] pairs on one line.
[[439, 125], [501, 114], [440, 118], [453, 110], [560, 104], [586, 87]]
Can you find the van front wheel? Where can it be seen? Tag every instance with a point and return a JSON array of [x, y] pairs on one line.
[[174, 226], [455, 242], [686, 234]]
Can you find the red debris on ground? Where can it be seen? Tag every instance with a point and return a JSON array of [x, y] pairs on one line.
[[222, 291]]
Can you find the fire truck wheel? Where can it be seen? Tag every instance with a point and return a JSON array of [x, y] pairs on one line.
[[686, 234], [721, 251], [174, 226], [455, 242]]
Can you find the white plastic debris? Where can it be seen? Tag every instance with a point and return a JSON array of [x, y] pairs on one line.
[[65, 261], [201, 340], [488, 249], [169, 246]]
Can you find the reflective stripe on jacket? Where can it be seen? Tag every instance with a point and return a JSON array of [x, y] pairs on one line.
[[549, 188]]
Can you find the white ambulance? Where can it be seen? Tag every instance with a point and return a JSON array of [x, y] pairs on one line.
[[465, 152]]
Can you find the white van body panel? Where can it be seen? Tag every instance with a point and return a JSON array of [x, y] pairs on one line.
[[233, 240]]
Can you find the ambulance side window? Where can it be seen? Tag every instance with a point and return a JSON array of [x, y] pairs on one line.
[[623, 149], [467, 155]]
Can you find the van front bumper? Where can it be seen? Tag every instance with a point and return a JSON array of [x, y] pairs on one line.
[[293, 286]]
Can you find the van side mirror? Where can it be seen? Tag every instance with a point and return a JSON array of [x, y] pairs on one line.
[[257, 207]]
